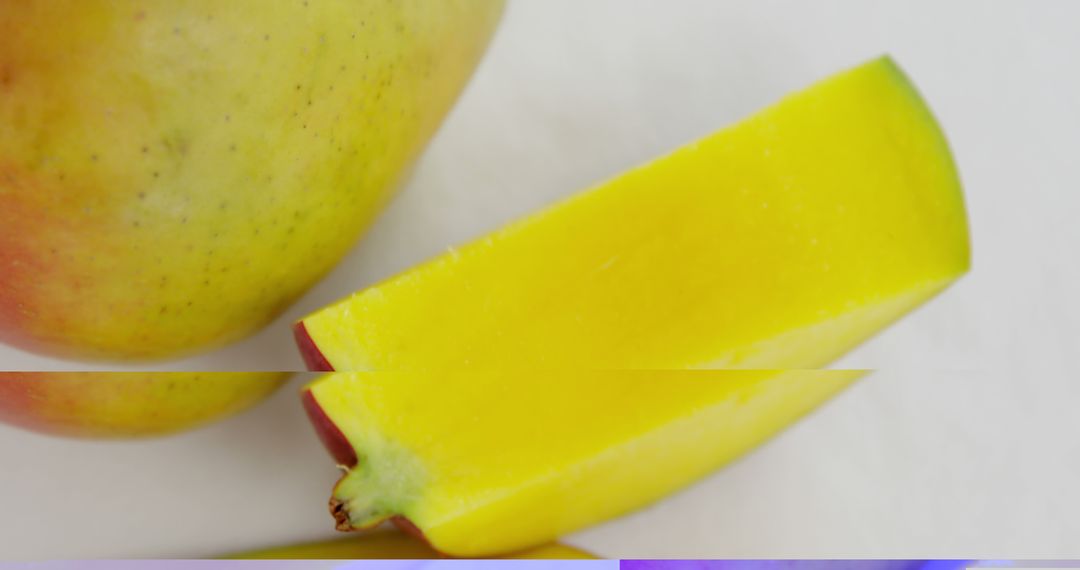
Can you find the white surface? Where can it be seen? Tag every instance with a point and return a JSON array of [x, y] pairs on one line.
[[980, 461]]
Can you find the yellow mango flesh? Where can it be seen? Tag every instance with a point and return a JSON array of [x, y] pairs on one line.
[[174, 174], [390, 546], [780, 242], [128, 404], [488, 462]]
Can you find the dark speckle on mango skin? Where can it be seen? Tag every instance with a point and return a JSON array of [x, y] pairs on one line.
[[182, 208]]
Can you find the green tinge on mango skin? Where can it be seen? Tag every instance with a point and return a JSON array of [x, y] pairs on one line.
[[383, 480], [384, 486], [174, 175]]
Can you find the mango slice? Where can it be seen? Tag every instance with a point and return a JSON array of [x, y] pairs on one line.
[[481, 463], [781, 242]]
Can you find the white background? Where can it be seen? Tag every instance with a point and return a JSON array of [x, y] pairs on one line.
[[966, 445]]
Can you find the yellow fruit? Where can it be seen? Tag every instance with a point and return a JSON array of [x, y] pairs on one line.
[[128, 404], [481, 463], [780, 242], [174, 174], [390, 545]]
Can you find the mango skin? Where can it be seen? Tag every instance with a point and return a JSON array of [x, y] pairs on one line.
[[128, 404], [387, 545], [173, 174]]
